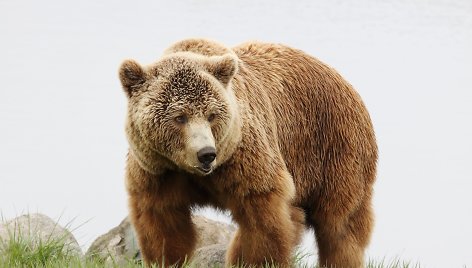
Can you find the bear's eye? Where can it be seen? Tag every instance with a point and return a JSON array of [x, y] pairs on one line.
[[211, 117], [181, 119]]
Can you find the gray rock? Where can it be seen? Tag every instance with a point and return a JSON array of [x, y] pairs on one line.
[[38, 228], [212, 232], [119, 245], [212, 256]]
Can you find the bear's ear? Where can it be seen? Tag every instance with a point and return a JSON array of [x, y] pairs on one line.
[[223, 67], [131, 76]]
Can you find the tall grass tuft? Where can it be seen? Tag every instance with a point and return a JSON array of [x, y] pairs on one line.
[[22, 247]]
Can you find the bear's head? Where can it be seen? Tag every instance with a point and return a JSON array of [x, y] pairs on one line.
[[182, 111]]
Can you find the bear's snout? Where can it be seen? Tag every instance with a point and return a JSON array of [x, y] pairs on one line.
[[206, 156]]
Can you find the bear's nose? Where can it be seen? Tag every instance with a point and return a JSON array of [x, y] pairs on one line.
[[206, 155]]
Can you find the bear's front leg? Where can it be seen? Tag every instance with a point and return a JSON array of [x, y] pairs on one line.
[[268, 231], [166, 236], [160, 213]]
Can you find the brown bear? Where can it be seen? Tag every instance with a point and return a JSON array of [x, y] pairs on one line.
[[265, 131]]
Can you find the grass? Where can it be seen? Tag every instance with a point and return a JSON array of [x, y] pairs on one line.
[[19, 250], [23, 248], [394, 263]]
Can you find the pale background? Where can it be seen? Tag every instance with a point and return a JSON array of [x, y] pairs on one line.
[[62, 143]]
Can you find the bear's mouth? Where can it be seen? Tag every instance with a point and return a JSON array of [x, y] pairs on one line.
[[204, 169]]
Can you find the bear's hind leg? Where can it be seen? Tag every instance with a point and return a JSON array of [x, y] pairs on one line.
[[342, 242]]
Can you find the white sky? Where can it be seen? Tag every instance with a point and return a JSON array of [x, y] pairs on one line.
[[62, 143]]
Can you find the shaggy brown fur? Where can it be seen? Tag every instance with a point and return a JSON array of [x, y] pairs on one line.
[[294, 143]]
